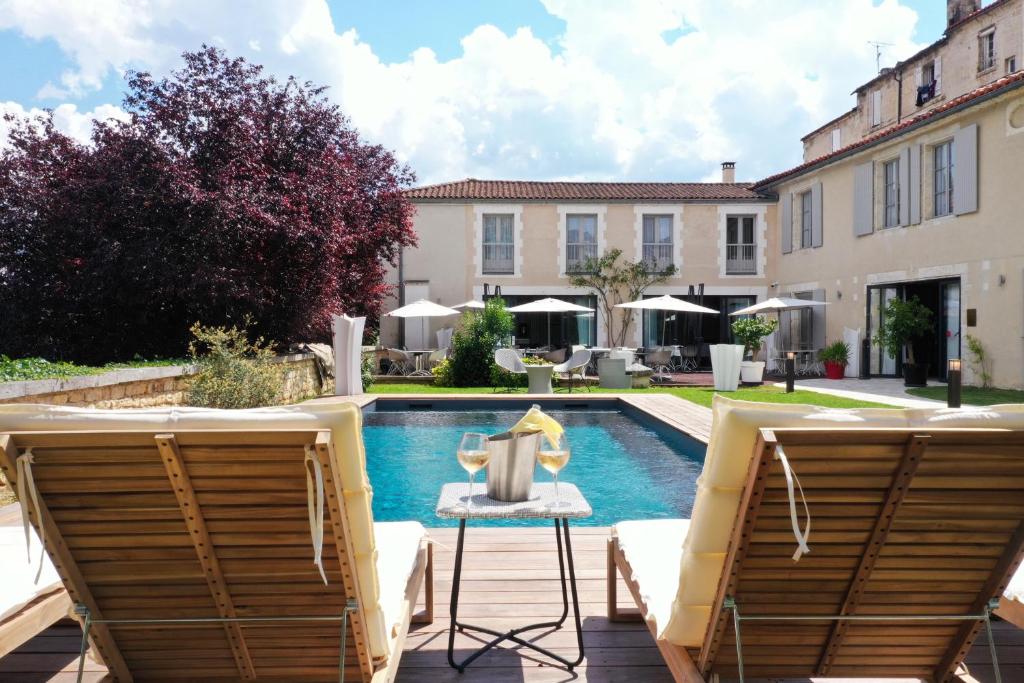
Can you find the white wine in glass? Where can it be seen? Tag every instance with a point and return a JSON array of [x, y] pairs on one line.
[[473, 456], [553, 456]]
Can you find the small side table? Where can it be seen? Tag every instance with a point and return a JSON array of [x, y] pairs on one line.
[[451, 505], [539, 379]]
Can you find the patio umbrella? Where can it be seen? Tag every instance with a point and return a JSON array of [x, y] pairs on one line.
[[778, 304], [666, 303], [423, 309], [472, 303], [549, 306]]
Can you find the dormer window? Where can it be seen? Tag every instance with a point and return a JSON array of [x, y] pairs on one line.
[[987, 50], [928, 86]]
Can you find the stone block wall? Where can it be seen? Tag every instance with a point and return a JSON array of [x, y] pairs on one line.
[[152, 387]]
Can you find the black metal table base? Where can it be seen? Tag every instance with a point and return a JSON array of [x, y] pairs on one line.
[[564, 558]]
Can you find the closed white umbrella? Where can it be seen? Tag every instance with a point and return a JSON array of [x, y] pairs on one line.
[[549, 306], [777, 304], [472, 303], [423, 309], [666, 303]]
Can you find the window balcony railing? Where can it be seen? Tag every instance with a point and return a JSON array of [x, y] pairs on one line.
[[657, 257], [741, 259], [577, 255], [498, 259]]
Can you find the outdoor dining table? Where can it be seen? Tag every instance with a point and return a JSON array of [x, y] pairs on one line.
[[451, 504], [539, 378], [418, 355]]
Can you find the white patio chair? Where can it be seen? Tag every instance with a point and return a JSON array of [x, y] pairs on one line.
[[509, 361], [577, 363], [436, 357], [402, 362], [660, 360], [688, 358]]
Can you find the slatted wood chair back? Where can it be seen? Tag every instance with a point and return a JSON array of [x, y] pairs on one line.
[[198, 524], [903, 522]]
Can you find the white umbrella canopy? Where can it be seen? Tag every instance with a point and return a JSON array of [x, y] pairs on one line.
[[472, 303], [549, 306], [778, 304], [666, 303], [423, 309]]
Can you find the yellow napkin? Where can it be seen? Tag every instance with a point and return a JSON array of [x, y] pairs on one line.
[[536, 420]]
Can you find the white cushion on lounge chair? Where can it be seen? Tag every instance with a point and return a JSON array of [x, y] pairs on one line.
[[654, 548], [19, 575], [397, 546]]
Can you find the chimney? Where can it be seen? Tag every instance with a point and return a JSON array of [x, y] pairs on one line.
[[957, 10], [728, 171]]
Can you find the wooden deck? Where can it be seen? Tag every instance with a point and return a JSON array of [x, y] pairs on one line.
[[509, 578]]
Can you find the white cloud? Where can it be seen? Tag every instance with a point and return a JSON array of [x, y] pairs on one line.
[[631, 90], [66, 118]]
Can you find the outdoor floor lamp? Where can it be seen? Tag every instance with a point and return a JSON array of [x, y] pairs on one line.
[[790, 371], [953, 386]]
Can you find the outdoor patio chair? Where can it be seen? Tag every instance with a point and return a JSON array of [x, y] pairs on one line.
[[207, 544], [436, 357], [688, 358], [611, 374], [509, 361], [918, 527], [556, 356], [660, 360], [402, 362], [576, 365]]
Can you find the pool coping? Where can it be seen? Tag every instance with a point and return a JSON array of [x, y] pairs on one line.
[[671, 411]]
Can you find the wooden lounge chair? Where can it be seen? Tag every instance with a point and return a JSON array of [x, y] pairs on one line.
[[188, 540], [907, 526]]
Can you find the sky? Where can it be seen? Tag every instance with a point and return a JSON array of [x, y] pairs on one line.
[[660, 90]]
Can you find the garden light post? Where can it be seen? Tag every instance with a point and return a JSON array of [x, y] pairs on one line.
[[790, 371], [953, 380]]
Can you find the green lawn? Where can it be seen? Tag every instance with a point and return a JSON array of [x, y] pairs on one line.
[[699, 395], [972, 396]]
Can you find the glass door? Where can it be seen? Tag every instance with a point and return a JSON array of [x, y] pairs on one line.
[[878, 298], [950, 324]]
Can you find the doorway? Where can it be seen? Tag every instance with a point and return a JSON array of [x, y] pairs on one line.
[[942, 297]]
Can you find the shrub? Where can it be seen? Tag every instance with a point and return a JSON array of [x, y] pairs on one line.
[[442, 373], [903, 322], [979, 360], [366, 366], [474, 342], [836, 352], [226, 193], [750, 332], [232, 372]]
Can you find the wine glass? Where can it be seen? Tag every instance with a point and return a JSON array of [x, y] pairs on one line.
[[553, 456], [473, 456]]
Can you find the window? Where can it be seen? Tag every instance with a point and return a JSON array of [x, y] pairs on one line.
[[657, 245], [943, 183], [836, 139], [892, 194], [580, 240], [499, 244], [928, 86], [1011, 64], [876, 107], [805, 220], [740, 246], [987, 50]]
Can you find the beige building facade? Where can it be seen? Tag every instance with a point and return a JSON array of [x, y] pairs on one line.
[[980, 45], [478, 236]]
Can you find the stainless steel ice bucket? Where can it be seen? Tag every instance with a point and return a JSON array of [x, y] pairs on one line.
[[511, 465]]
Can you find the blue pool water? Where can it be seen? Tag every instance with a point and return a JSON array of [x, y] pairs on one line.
[[626, 468]]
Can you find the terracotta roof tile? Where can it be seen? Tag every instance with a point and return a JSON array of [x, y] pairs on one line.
[[1014, 80], [527, 190]]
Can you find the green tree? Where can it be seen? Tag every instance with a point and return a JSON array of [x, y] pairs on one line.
[[902, 323], [474, 342], [616, 282], [750, 332]]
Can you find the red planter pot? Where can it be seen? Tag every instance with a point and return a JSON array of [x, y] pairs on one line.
[[834, 370]]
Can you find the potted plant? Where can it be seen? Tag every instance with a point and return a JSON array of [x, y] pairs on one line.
[[835, 356], [902, 323], [750, 332]]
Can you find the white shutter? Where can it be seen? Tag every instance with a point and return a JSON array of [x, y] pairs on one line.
[[876, 107], [938, 74], [786, 222], [864, 199], [915, 184], [816, 215], [904, 186], [836, 139], [965, 170]]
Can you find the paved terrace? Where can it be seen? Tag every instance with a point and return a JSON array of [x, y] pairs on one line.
[[509, 578]]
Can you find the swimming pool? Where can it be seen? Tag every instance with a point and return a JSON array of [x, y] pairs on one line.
[[628, 466]]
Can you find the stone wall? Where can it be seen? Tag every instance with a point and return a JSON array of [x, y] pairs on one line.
[[151, 387]]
